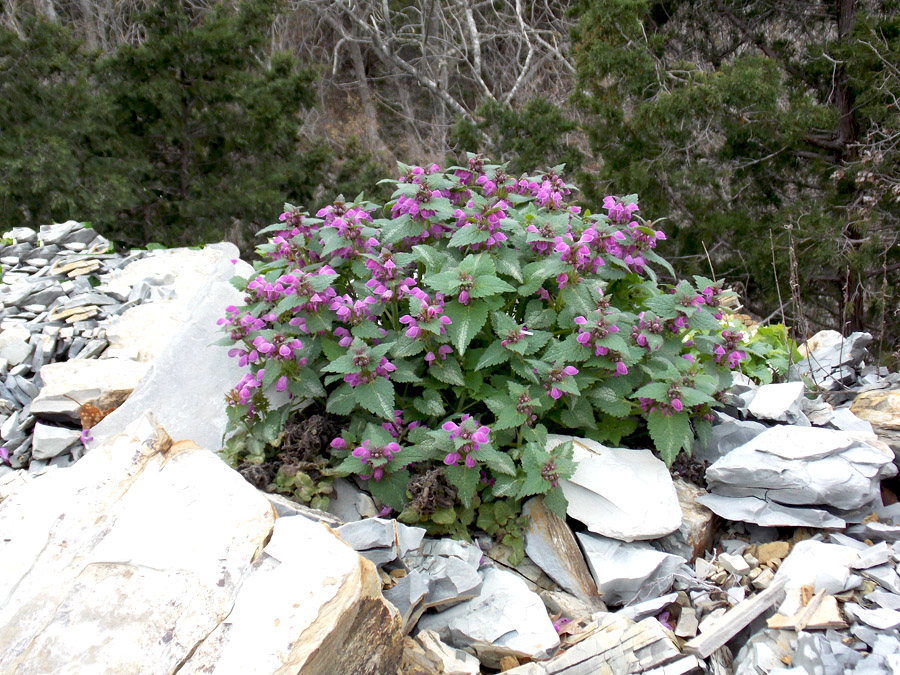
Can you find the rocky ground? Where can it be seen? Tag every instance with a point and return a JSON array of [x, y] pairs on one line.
[[783, 558]]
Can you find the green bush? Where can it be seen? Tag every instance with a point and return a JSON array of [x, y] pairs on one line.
[[457, 326]]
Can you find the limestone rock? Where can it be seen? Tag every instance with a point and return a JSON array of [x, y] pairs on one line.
[[145, 557], [48, 442], [551, 546], [187, 406], [628, 572], [105, 383], [620, 493], [778, 402], [803, 466], [768, 514], [170, 531], [618, 646], [304, 613], [505, 619], [881, 408], [816, 564], [698, 524], [727, 434]]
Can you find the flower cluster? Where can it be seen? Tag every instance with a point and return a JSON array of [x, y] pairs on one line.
[[468, 437], [489, 310]]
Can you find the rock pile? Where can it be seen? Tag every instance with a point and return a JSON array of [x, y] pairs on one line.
[[152, 555], [77, 332]]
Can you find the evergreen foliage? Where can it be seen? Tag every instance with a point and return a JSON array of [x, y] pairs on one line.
[[755, 122], [177, 139]]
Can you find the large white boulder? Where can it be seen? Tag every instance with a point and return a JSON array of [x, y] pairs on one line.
[[147, 556]]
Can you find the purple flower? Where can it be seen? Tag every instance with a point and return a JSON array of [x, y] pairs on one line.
[[556, 376], [368, 453], [4, 455], [85, 437], [468, 437]]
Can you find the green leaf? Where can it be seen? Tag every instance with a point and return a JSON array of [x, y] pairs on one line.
[[670, 433], [496, 460], [608, 401], [465, 481], [377, 397], [658, 391], [405, 347], [467, 320], [366, 329], [579, 416], [507, 262], [341, 401], [537, 272], [444, 516], [391, 489], [556, 501], [485, 286], [306, 385], [468, 234], [447, 371], [494, 355], [429, 403]]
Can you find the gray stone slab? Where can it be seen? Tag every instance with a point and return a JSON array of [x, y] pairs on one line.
[[628, 572], [188, 407], [768, 514]]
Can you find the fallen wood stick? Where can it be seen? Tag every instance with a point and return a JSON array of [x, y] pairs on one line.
[[734, 620]]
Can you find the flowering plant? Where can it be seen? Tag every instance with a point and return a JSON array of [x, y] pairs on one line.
[[458, 325]]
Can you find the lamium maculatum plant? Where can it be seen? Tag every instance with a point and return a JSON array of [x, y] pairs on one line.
[[456, 326]]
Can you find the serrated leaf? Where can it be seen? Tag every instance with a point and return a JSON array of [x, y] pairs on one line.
[[494, 355], [578, 300], [662, 305], [507, 262], [377, 397], [505, 486], [539, 271], [609, 402], [429, 403], [467, 320], [691, 397], [447, 371], [391, 489], [533, 485], [579, 416], [670, 433], [405, 347], [465, 480], [343, 365], [307, 385], [341, 401], [366, 329], [487, 285], [556, 501], [468, 234], [496, 460], [658, 391]]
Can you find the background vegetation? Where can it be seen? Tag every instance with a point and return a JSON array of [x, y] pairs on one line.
[[769, 131]]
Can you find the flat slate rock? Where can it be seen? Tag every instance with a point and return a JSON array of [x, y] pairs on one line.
[[620, 493]]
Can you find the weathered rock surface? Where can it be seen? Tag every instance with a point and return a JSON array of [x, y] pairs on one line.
[[188, 406], [620, 493], [803, 466], [104, 383], [628, 572], [882, 410], [140, 558], [779, 403], [698, 524], [302, 613], [505, 619], [551, 545]]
